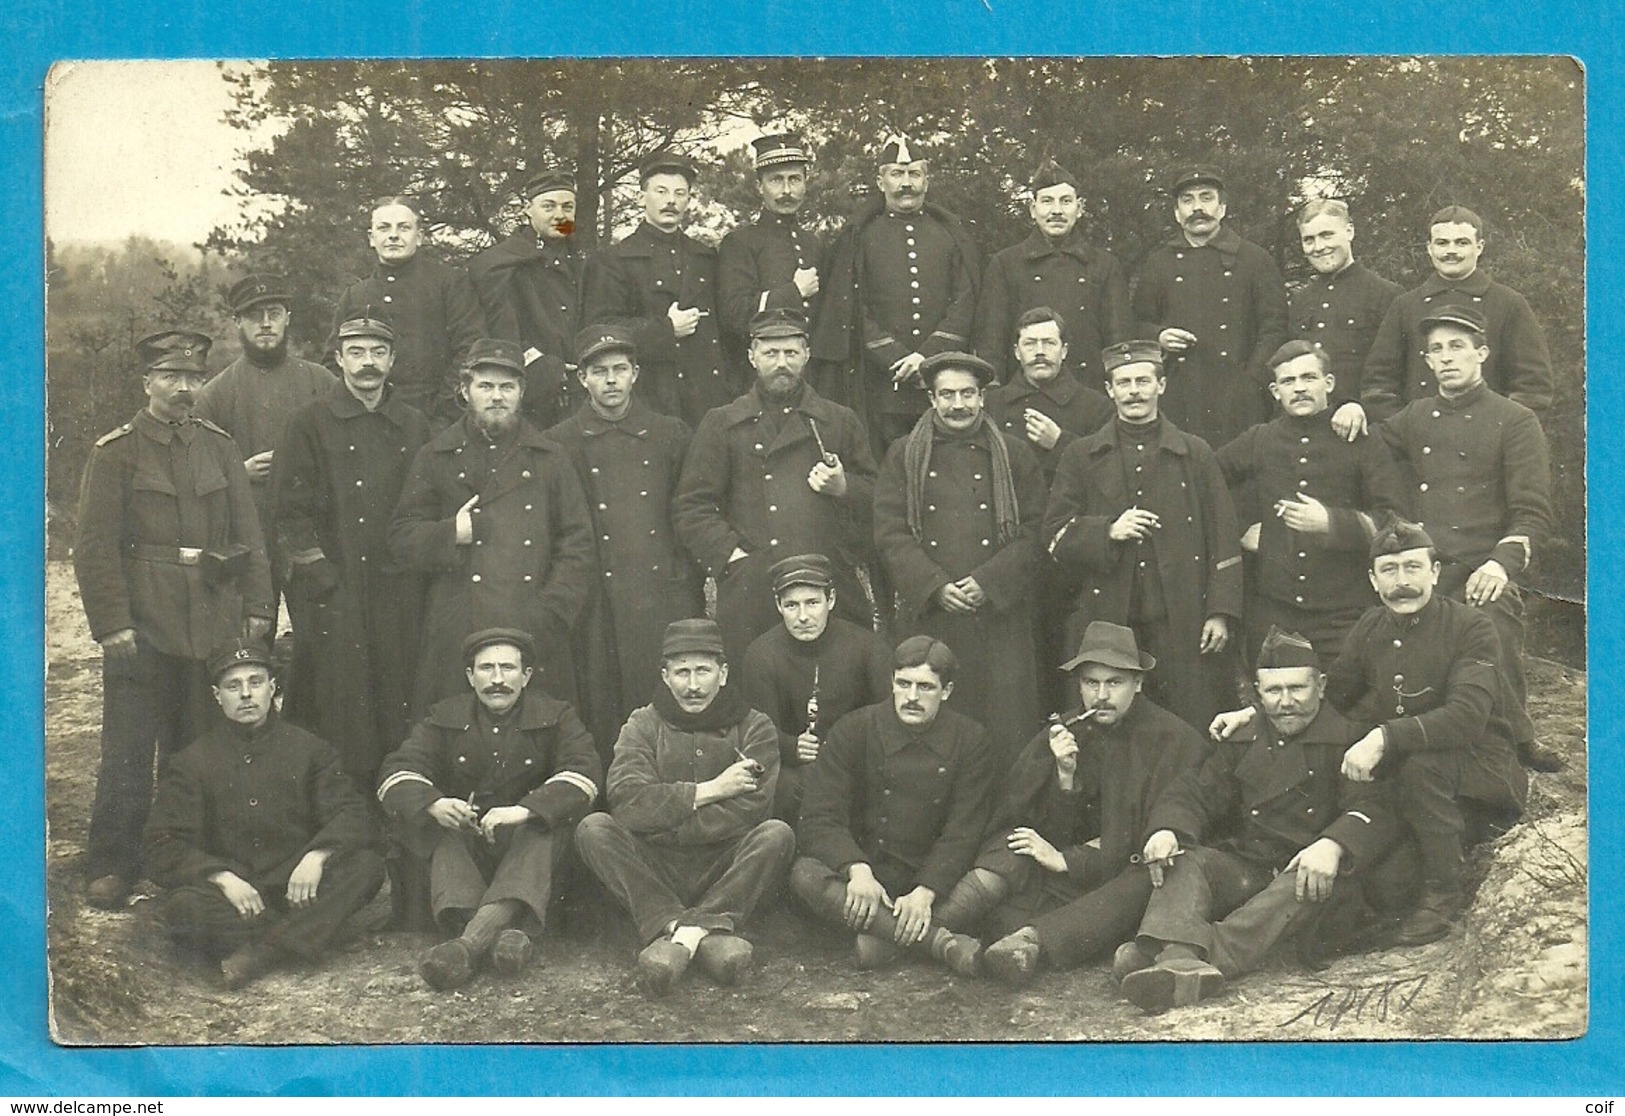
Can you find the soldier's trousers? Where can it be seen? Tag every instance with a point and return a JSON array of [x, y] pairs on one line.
[[1233, 910], [713, 886], [465, 872], [199, 917], [1097, 921]]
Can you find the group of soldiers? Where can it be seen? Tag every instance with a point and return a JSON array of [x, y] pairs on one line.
[[981, 617]]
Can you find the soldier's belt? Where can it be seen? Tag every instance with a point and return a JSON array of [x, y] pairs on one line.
[[179, 555]]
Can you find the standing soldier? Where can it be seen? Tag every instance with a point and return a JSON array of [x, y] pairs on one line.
[[171, 566], [1216, 304], [628, 459], [901, 287], [661, 283], [431, 306], [771, 263], [530, 291], [1054, 267]]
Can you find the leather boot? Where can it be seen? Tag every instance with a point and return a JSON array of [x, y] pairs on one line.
[[1443, 897]]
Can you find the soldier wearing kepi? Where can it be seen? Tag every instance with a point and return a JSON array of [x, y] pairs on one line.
[[254, 396], [662, 284], [1058, 268], [810, 671], [493, 513], [629, 459], [487, 789], [530, 290], [772, 262], [263, 842], [1216, 305], [901, 287], [171, 565], [779, 471]]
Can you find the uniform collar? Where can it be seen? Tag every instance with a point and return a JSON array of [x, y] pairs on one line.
[[634, 423], [1328, 727], [1474, 394], [345, 405], [462, 712], [1227, 242], [1037, 246], [159, 430], [1475, 284], [1063, 388], [459, 434], [749, 405], [895, 735]]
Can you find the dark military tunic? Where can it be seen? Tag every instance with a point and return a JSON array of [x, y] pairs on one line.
[[1084, 284], [1229, 294], [1519, 366], [1341, 314], [910, 804], [529, 567], [756, 267], [1072, 405], [357, 613], [530, 292], [634, 283], [645, 579], [436, 316]]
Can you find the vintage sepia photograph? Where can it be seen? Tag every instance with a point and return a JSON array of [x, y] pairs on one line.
[[802, 550]]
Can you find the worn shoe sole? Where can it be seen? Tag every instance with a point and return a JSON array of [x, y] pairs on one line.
[[660, 966], [724, 958], [108, 893], [873, 953], [963, 955], [511, 953], [447, 965], [1130, 958], [1015, 965], [1171, 985]]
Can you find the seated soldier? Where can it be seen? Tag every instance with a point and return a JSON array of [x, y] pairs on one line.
[[264, 845], [1075, 810], [897, 801], [487, 788], [687, 846], [810, 671], [1262, 831]]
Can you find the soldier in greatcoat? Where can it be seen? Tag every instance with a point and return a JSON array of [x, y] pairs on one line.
[[779, 471], [957, 510], [171, 565], [629, 459], [493, 513], [662, 283]]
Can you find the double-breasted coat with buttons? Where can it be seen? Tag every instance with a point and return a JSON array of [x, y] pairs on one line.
[[436, 317], [959, 537], [529, 566], [530, 292], [357, 613], [1519, 365], [1341, 313], [1229, 294], [756, 267], [912, 804], [629, 470], [1084, 284], [635, 282]]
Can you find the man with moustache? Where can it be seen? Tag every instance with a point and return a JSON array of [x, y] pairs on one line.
[[662, 284], [687, 846], [1482, 472], [1518, 366], [897, 801], [628, 459], [1216, 305], [1319, 500], [1341, 306], [529, 287], [493, 513], [1140, 510], [254, 396], [1057, 875], [810, 671], [779, 471], [901, 287], [431, 306], [487, 789], [262, 842], [1054, 267], [1263, 833], [772, 262], [957, 510], [171, 565]]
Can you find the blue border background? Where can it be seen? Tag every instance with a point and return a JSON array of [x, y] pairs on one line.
[[39, 33]]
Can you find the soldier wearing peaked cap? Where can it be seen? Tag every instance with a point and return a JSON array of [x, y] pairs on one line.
[[171, 564], [530, 290]]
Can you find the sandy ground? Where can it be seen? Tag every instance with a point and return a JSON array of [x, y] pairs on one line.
[[1517, 970]]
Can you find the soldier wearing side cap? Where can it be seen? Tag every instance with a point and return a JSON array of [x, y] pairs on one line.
[[254, 396], [171, 564], [493, 513], [530, 290], [662, 284], [1055, 267], [1216, 304], [628, 458]]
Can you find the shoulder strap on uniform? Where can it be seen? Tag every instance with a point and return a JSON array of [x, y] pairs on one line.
[[116, 434]]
